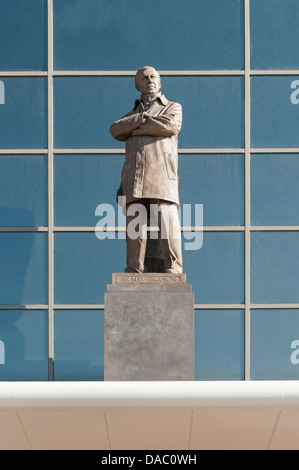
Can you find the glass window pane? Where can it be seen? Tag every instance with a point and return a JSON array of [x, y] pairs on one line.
[[215, 269], [23, 30], [274, 189], [82, 182], [274, 344], [274, 267], [24, 345], [213, 110], [274, 34], [23, 116], [85, 108], [23, 268], [274, 112], [217, 182], [118, 35], [84, 266], [23, 190], [219, 345], [79, 345]]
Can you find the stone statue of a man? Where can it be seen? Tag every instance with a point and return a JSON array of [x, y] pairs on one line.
[[150, 174]]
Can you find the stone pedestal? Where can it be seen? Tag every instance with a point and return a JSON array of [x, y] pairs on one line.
[[149, 328]]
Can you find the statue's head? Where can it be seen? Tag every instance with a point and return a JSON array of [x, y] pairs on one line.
[[147, 80]]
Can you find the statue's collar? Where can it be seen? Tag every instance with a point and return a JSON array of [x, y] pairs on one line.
[[159, 97]]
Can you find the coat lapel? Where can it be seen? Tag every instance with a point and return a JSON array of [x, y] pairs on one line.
[[156, 108]]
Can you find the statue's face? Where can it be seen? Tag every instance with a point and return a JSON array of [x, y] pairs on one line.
[[149, 81]]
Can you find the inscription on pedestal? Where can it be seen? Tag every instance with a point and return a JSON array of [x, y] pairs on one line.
[[148, 278]]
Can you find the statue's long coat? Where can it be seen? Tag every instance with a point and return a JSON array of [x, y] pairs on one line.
[[151, 165]]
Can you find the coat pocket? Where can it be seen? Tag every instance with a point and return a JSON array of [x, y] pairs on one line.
[[170, 165]]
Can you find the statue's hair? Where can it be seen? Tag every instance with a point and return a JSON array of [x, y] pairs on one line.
[[140, 72]]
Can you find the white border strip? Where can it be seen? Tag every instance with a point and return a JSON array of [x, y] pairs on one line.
[[218, 394]]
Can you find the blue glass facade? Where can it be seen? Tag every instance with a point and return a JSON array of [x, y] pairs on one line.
[[24, 118], [64, 78], [23, 35], [79, 344], [118, 35]]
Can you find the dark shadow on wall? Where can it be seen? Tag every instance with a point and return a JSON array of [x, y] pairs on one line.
[[14, 346], [78, 370], [79, 345], [15, 253]]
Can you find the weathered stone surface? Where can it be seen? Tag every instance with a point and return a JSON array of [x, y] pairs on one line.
[[149, 332], [149, 288]]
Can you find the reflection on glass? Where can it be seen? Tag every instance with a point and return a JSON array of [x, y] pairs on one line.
[[23, 190], [274, 267], [81, 183], [23, 30], [216, 270], [219, 345], [84, 266], [274, 345], [172, 35], [79, 345], [24, 337], [23, 268], [23, 117], [217, 182], [274, 112], [274, 34], [274, 189]]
